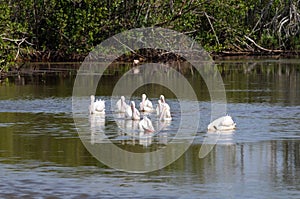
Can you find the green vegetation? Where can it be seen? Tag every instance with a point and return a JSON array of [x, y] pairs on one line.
[[68, 29]]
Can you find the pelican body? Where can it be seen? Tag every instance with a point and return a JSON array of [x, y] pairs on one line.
[[145, 125], [121, 105], [165, 114], [146, 105], [97, 106], [131, 112], [224, 123], [163, 109]]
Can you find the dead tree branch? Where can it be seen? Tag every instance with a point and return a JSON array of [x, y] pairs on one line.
[[18, 42], [262, 48], [212, 27]]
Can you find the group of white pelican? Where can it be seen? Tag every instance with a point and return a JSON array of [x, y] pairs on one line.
[[132, 113], [162, 110]]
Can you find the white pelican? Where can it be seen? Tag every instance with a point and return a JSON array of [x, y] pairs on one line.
[[165, 114], [97, 107], [145, 125], [135, 68], [131, 112], [136, 62], [224, 123], [146, 105], [121, 105], [163, 101]]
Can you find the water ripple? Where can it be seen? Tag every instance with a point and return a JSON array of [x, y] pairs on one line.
[[47, 105]]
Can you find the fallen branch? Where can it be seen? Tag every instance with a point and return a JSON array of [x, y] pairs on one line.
[[262, 48]]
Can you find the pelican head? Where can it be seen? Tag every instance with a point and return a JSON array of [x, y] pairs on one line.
[[122, 98], [159, 102], [92, 98], [162, 98], [144, 97]]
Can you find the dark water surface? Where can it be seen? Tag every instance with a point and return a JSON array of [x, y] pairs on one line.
[[41, 154]]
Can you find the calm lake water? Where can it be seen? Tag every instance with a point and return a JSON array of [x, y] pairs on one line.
[[42, 155]]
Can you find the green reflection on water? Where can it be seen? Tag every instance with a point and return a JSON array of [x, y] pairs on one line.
[[53, 138], [248, 81], [41, 137]]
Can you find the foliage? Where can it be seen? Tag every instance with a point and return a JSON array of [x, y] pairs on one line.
[[12, 38], [69, 29]]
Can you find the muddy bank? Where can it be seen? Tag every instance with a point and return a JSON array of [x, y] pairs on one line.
[[157, 55], [66, 66]]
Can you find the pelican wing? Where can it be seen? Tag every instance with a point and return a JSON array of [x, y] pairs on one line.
[[227, 121], [148, 103], [128, 112], [99, 106], [119, 105], [222, 123], [146, 125]]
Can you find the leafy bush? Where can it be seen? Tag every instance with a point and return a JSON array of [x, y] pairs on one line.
[[69, 29]]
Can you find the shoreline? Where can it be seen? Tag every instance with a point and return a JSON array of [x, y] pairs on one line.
[[19, 69], [60, 57]]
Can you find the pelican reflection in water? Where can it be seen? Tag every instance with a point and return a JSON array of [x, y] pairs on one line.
[[97, 124]]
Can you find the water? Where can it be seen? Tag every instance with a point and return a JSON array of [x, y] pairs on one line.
[[41, 154]]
